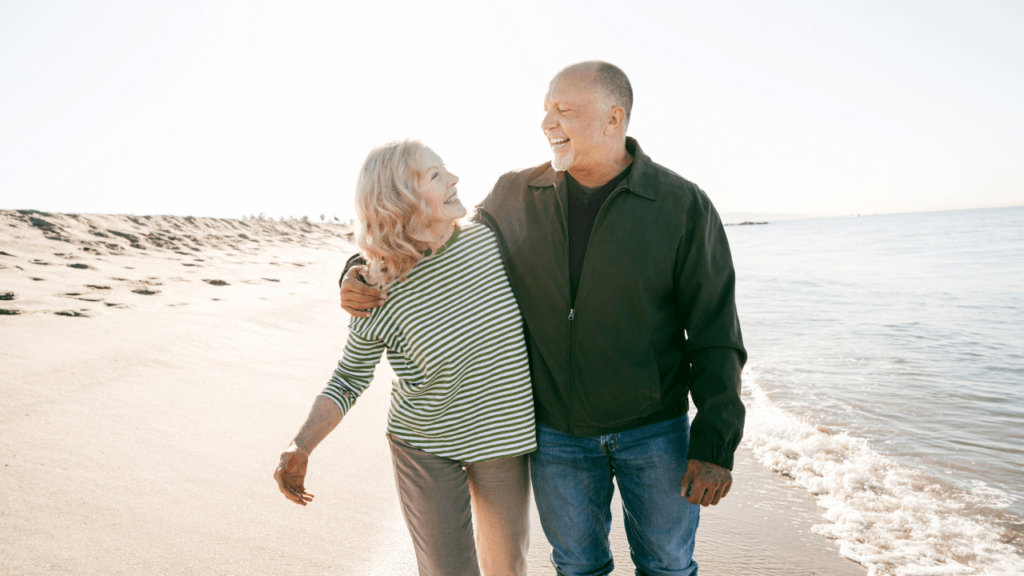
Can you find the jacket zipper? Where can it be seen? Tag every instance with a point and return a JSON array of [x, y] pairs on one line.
[[568, 261], [572, 310]]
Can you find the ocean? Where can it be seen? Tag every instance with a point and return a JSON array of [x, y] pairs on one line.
[[886, 377]]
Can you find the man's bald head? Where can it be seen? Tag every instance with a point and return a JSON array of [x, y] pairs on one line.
[[586, 113], [607, 79]]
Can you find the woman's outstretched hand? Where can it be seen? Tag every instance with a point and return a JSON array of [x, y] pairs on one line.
[[291, 472], [291, 475]]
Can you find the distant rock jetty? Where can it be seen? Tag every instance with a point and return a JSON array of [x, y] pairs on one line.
[[747, 223]]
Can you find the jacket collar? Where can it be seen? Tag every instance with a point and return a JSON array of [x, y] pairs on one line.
[[641, 180]]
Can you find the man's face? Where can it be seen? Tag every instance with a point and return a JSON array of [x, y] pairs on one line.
[[573, 120]]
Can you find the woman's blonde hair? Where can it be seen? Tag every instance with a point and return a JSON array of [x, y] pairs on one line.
[[393, 214]]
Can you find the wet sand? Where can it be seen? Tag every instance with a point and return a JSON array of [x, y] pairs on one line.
[[139, 437]]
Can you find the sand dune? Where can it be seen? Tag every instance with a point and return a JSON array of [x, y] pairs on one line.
[[84, 265], [153, 368]]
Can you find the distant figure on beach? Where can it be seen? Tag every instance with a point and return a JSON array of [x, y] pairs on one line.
[[462, 419], [624, 277]]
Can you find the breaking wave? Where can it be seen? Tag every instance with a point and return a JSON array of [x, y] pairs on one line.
[[894, 519]]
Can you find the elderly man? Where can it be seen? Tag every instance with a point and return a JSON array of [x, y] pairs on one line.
[[624, 277]]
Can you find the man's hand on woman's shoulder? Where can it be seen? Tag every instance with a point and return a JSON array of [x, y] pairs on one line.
[[358, 298]]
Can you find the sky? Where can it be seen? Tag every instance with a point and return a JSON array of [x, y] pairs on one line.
[[225, 109]]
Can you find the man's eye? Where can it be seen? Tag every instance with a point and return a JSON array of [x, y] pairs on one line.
[[563, 110]]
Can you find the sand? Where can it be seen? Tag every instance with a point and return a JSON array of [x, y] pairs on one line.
[[152, 370]]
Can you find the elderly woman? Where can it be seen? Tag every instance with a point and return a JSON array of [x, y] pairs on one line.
[[461, 418]]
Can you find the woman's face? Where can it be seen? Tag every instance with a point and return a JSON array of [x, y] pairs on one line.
[[437, 185]]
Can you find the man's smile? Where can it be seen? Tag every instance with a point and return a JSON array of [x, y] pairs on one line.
[[557, 143]]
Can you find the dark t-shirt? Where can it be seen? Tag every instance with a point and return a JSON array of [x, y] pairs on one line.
[[584, 205]]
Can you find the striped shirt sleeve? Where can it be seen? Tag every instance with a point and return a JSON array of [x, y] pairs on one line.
[[354, 371]]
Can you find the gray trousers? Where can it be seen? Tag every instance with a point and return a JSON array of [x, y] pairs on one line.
[[436, 495]]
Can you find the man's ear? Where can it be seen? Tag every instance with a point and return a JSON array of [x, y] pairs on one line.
[[616, 119]]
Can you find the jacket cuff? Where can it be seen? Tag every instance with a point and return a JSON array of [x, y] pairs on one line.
[[701, 449]]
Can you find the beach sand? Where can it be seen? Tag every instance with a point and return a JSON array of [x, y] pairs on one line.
[[153, 368]]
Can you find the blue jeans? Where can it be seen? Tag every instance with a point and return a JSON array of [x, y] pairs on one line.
[[572, 486]]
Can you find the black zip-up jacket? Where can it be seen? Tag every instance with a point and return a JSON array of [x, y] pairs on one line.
[[655, 313]]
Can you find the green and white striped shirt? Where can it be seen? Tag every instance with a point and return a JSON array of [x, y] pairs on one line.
[[454, 336]]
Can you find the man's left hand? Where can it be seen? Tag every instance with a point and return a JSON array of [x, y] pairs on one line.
[[710, 483]]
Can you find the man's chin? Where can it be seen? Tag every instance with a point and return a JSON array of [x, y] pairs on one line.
[[561, 162]]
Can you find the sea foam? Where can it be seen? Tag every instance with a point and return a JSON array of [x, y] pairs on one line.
[[889, 517]]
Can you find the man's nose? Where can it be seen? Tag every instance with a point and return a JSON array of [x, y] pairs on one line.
[[548, 123]]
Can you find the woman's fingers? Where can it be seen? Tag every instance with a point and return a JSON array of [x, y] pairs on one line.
[[290, 477], [283, 486], [296, 494], [299, 495]]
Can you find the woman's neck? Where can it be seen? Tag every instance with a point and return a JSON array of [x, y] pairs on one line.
[[441, 232]]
